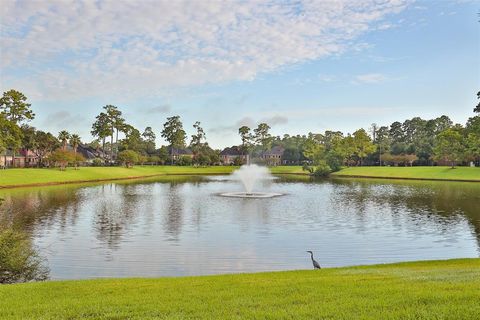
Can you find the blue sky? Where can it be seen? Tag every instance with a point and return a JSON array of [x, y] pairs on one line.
[[300, 66]]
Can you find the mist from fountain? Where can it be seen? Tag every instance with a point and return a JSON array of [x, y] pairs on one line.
[[249, 176]]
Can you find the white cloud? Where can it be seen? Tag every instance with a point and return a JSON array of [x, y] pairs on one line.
[[370, 78], [91, 48]]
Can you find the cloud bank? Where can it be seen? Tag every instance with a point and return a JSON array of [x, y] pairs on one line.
[[60, 49]]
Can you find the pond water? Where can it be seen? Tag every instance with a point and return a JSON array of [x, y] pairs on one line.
[[179, 226]]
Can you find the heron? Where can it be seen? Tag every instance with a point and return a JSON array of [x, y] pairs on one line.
[[316, 265]]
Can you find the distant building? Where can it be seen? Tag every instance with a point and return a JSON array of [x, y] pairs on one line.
[[228, 156], [177, 153], [28, 158], [273, 157], [23, 159], [87, 152]]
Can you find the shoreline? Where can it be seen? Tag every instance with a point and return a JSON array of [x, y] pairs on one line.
[[343, 176], [57, 183], [141, 173]]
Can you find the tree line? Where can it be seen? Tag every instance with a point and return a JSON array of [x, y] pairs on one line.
[[414, 141]]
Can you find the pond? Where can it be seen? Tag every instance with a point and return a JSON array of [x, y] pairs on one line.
[[180, 226]]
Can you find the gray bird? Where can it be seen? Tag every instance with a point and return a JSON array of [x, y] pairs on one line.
[[316, 265]]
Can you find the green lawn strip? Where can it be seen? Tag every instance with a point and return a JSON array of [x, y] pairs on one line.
[[427, 173], [32, 177], [24, 177], [419, 290]]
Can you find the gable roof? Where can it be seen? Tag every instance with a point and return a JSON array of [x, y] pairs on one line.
[[275, 151], [231, 151], [179, 151]]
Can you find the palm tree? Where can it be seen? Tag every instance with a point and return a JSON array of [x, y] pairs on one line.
[[74, 142], [63, 136]]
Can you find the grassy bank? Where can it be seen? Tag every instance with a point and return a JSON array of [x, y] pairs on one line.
[[419, 290], [25, 177], [33, 177], [426, 173]]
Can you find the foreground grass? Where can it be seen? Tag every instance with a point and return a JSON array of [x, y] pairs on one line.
[[419, 290], [428, 173], [24, 177]]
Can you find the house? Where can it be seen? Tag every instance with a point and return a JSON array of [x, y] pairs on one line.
[[273, 157], [229, 156], [23, 159], [87, 152], [28, 158], [177, 153]]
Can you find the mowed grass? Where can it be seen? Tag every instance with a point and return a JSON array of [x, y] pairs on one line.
[[23, 177], [419, 290], [428, 173]]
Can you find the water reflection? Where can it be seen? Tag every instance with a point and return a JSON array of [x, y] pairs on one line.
[[179, 226]]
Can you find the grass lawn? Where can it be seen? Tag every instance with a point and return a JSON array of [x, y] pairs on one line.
[[416, 290], [23, 177], [429, 173]]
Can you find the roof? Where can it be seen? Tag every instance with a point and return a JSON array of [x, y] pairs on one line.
[[86, 151], [232, 151], [275, 151], [179, 151]]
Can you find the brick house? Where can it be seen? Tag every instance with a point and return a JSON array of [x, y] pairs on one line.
[[177, 153], [273, 157], [229, 155]]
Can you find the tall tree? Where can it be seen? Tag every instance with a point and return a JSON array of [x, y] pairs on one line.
[[174, 134], [472, 147], [64, 136], [383, 142], [363, 144], [477, 108], [14, 106], [313, 150], [10, 137], [119, 124], [196, 143], [374, 129], [396, 132], [262, 136], [246, 137], [133, 140], [101, 129], [45, 144], [16, 109], [113, 120], [149, 137], [442, 123], [29, 141], [75, 141], [449, 146]]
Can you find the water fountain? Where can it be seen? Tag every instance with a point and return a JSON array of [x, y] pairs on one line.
[[249, 175]]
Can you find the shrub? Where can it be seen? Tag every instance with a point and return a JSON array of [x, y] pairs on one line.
[[154, 159], [308, 168], [127, 158], [322, 170], [142, 159], [184, 161], [19, 261], [202, 159], [61, 158], [334, 161], [97, 162]]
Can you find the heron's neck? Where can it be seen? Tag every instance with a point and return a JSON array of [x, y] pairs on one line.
[[311, 255]]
